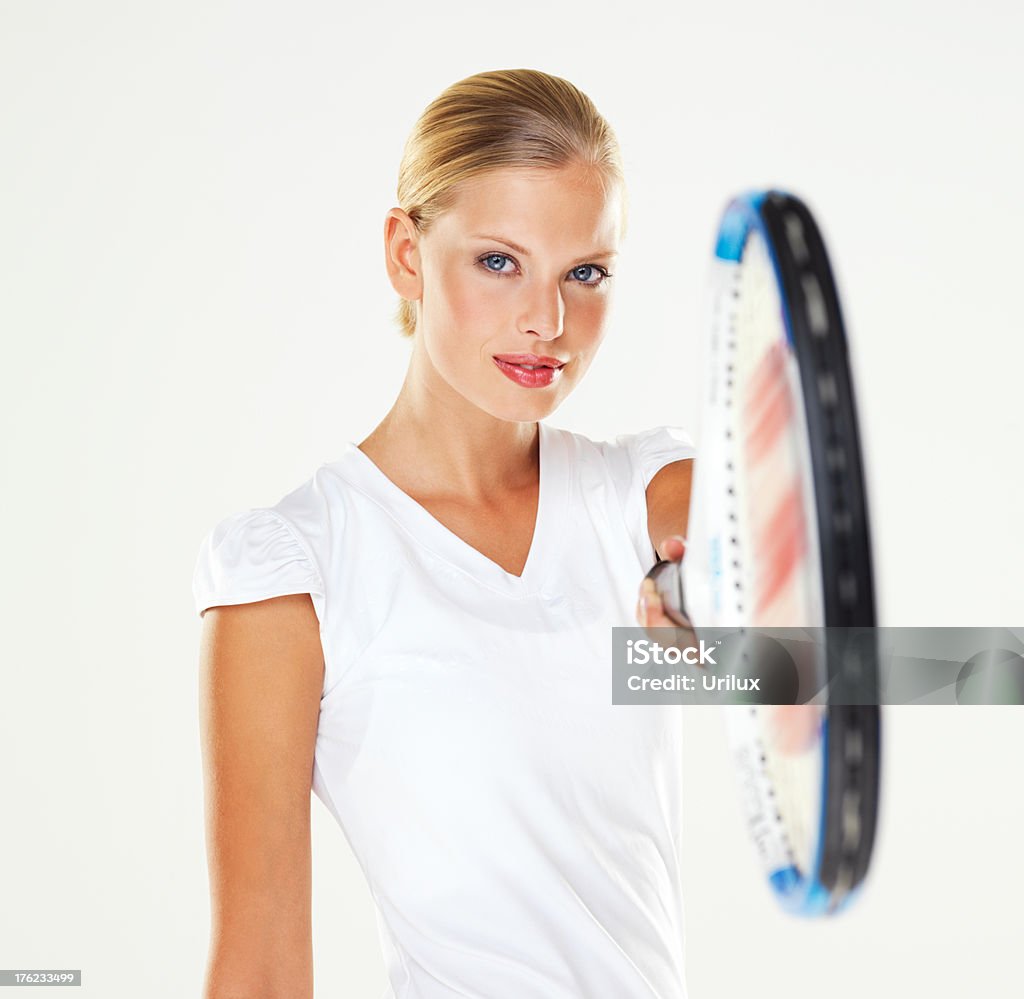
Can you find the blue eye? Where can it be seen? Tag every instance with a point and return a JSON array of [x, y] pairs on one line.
[[603, 274], [587, 270], [494, 256]]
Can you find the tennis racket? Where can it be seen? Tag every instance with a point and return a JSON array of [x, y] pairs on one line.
[[778, 538]]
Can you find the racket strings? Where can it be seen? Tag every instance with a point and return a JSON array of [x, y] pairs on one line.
[[772, 499], [770, 426]]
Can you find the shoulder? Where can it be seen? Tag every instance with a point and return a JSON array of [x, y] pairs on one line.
[[261, 552], [638, 455], [625, 466]]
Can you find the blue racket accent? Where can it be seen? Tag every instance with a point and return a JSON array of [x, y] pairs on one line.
[[805, 895], [800, 895], [743, 214], [785, 881]]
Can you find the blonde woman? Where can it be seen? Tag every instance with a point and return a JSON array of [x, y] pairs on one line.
[[421, 631]]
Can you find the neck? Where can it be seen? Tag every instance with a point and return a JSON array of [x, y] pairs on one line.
[[441, 445]]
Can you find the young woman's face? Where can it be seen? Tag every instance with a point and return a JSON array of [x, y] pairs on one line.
[[518, 266]]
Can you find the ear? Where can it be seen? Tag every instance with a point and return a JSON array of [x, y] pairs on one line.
[[401, 254]]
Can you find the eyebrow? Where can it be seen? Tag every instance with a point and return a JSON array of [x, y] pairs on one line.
[[525, 252]]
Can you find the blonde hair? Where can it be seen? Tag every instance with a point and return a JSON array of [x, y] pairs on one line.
[[498, 119]]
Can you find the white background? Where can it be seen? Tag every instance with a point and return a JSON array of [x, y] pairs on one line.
[[195, 314]]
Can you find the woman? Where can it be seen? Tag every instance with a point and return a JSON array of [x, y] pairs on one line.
[[422, 630]]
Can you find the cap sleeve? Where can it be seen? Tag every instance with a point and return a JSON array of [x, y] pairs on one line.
[[651, 450], [254, 555], [633, 460]]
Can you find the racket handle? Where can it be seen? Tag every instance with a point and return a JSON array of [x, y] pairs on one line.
[[668, 581]]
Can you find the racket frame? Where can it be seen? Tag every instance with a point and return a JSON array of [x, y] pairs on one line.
[[850, 733]]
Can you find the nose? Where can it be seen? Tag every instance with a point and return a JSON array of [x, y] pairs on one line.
[[545, 315]]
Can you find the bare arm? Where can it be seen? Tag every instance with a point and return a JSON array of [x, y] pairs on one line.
[[261, 676], [668, 513], [668, 503]]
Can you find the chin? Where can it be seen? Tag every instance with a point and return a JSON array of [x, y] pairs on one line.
[[525, 412]]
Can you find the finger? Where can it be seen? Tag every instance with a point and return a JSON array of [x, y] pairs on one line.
[[659, 627], [649, 603], [656, 622], [647, 588], [673, 547]]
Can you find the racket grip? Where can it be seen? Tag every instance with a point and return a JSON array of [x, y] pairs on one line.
[[668, 581]]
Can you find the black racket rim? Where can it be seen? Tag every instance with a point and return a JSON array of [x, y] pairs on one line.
[[852, 730]]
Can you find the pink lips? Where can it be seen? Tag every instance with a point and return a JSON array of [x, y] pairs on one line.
[[532, 359], [537, 378]]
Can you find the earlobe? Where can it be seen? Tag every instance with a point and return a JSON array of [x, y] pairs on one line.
[[401, 254]]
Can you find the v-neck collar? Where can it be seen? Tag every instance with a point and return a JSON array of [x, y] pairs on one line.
[[360, 471]]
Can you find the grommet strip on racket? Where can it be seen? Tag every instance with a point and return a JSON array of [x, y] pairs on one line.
[[778, 537]]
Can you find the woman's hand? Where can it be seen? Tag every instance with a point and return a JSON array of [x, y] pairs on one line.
[[649, 610]]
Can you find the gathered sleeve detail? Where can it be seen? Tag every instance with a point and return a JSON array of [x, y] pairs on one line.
[[254, 555]]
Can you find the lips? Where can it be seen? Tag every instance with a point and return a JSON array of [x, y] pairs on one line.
[[532, 371], [528, 361]]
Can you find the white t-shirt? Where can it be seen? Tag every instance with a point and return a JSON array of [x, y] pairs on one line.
[[520, 834]]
